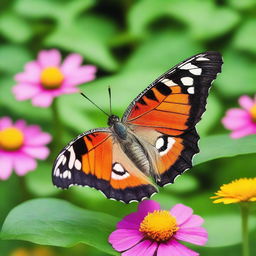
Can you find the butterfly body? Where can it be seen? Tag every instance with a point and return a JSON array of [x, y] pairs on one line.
[[130, 145], [152, 143]]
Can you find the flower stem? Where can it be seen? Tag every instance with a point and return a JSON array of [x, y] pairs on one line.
[[57, 129], [245, 207]]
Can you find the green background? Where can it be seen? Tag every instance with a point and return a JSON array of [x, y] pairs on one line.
[[131, 43]]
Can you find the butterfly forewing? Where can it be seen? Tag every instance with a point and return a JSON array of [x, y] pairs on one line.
[[171, 107]]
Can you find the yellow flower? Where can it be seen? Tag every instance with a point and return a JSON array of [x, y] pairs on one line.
[[241, 190]]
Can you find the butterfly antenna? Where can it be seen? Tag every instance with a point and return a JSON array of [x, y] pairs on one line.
[[94, 103], [110, 101]]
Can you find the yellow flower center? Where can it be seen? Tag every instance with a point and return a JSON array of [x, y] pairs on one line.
[[159, 226], [11, 139], [51, 78], [253, 113]]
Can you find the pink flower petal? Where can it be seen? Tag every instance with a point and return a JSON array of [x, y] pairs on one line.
[[37, 138], [232, 123], [195, 235], [193, 221], [237, 113], [49, 58], [25, 91], [21, 125], [246, 102], [24, 164], [181, 213], [148, 206], [173, 248], [71, 63], [5, 166], [145, 248], [243, 132], [43, 100], [131, 221], [5, 122], [123, 239], [80, 75], [37, 152], [68, 90]]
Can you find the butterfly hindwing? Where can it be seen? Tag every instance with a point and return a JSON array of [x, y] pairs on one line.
[[171, 107], [94, 159]]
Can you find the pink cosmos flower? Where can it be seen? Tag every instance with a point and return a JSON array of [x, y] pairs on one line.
[[152, 231], [20, 145], [241, 121], [46, 78]]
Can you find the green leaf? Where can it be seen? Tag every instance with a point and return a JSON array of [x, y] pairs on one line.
[[22, 109], [161, 51], [211, 115], [58, 223], [13, 58], [88, 36], [218, 146], [205, 19], [186, 184], [230, 222], [39, 182], [62, 11], [142, 13], [244, 39], [199, 19], [238, 74], [15, 28], [242, 5]]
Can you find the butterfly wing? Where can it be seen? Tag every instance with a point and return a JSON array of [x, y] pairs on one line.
[[96, 160], [170, 108]]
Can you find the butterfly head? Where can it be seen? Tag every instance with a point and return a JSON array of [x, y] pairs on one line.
[[113, 119]]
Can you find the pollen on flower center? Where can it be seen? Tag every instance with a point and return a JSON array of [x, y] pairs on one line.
[[51, 78], [253, 113], [159, 226], [11, 139]]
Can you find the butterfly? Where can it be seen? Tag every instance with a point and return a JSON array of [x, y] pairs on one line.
[[151, 144]]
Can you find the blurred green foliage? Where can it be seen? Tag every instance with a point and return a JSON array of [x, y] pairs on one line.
[[132, 42]]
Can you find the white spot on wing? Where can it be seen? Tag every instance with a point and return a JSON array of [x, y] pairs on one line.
[[119, 173], [188, 66], [168, 82], [65, 174], [202, 59], [78, 164], [72, 158], [187, 80], [170, 142], [191, 90], [159, 143], [196, 71]]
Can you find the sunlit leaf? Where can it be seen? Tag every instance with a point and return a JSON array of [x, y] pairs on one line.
[[204, 19], [242, 5], [59, 223], [39, 182], [232, 223], [15, 28], [244, 39], [89, 37], [62, 11], [13, 58], [238, 75], [218, 146]]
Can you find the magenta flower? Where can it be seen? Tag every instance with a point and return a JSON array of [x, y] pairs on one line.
[[20, 145], [241, 121], [46, 78], [152, 231]]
